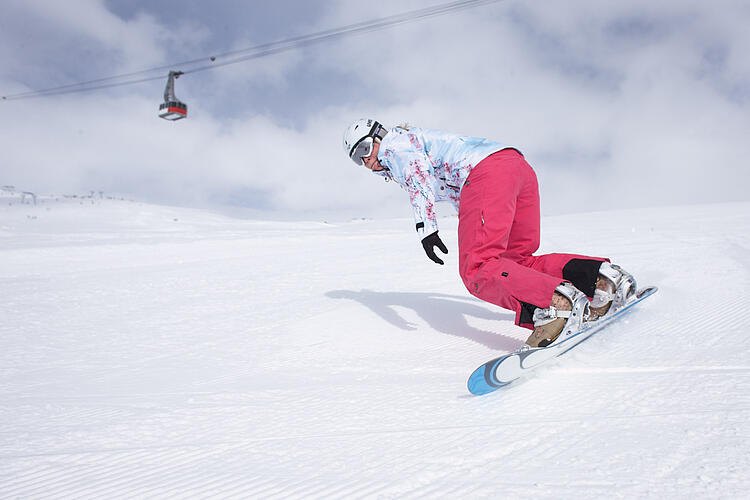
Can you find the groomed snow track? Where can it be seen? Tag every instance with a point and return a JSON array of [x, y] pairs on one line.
[[151, 351]]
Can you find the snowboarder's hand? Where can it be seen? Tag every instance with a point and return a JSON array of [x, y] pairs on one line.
[[429, 243]]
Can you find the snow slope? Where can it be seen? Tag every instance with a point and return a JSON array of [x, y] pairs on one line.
[[150, 351]]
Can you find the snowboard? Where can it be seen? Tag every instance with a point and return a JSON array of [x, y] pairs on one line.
[[501, 371]]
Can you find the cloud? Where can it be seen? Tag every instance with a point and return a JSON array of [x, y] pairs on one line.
[[59, 42], [614, 105]]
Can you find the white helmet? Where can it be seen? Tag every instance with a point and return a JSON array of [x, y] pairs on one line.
[[360, 136]]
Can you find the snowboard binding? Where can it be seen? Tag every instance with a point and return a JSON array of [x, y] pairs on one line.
[[614, 287], [556, 323]]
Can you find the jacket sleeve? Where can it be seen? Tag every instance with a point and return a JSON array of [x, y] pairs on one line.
[[419, 180]]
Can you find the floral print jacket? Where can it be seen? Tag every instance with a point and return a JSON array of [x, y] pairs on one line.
[[432, 166]]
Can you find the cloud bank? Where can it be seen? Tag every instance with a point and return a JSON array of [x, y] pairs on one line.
[[614, 104]]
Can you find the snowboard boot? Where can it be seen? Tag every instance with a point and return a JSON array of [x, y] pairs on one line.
[[567, 312], [614, 287]]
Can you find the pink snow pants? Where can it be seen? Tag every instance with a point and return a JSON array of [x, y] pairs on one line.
[[498, 230]]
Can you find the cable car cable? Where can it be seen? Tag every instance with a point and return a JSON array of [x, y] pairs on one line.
[[255, 52], [352, 29]]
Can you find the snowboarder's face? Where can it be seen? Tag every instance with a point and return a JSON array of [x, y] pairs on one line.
[[371, 161]]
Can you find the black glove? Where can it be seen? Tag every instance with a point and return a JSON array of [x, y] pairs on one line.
[[429, 243]]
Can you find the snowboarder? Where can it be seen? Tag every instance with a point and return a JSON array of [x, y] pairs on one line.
[[496, 194]]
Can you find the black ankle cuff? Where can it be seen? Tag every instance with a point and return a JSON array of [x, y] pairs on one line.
[[582, 273]]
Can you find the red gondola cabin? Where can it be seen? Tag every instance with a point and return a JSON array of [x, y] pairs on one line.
[[172, 108]]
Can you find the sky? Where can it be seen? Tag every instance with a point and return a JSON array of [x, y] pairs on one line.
[[615, 104]]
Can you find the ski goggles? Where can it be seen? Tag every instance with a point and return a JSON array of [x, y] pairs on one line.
[[362, 149]]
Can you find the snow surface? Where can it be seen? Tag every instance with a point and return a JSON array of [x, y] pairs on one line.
[[150, 351]]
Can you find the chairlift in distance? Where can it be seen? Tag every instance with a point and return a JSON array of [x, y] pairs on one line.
[[172, 108]]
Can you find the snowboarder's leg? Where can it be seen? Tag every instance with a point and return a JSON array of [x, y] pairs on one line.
[[498, 230]]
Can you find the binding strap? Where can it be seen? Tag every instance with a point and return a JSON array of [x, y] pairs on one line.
[[544, 316]]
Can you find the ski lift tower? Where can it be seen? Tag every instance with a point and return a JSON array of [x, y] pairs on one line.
[[172, 108]]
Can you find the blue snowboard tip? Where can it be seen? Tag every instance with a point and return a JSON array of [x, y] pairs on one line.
[[478, 383]]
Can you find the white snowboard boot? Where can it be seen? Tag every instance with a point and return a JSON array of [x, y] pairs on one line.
[[565, 316], [613, 289]]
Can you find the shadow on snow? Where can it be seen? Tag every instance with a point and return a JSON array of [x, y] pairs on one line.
[[443, 313]]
